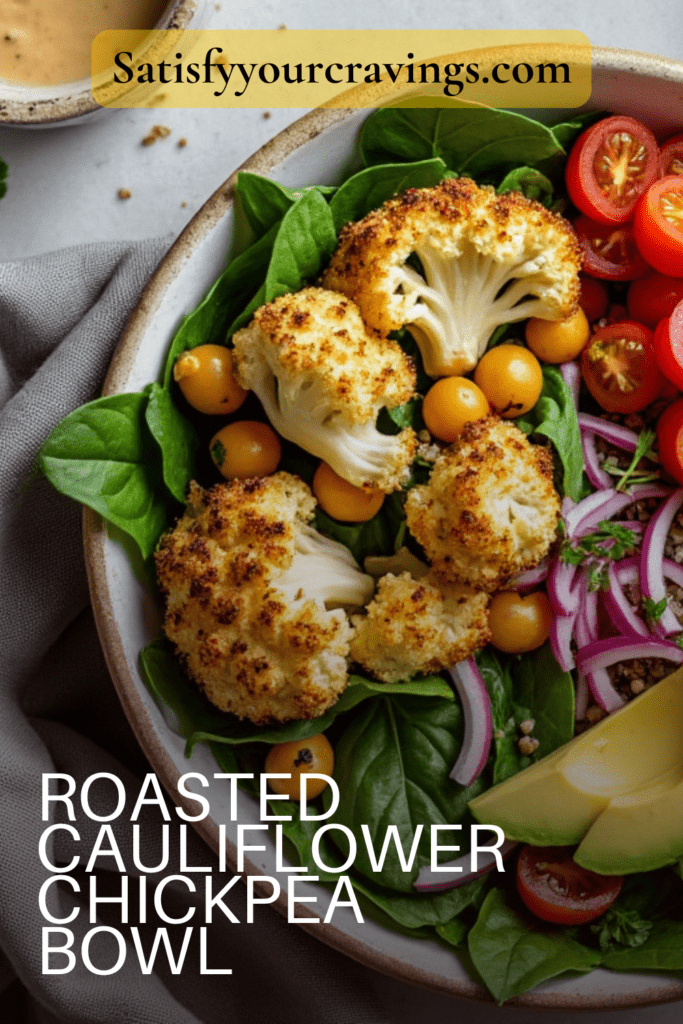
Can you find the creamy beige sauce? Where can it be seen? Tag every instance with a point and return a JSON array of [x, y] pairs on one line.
[[47, 42]]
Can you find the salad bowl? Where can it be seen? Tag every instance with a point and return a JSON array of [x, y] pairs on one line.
[[320, 148]]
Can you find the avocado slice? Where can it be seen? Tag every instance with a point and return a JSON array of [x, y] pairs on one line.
[[617, 790]]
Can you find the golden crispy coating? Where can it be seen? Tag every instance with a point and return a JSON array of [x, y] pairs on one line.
[[420, 626], [320, 332], [486, 259], [490, 508], [261, 651]]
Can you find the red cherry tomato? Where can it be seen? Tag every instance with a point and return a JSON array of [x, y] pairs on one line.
[[609, 252], [557, 889], [658, 225], [671, 156], [670, 440], [594, 298], [619, 369], [610, 166], [667, 345], [653, 298]]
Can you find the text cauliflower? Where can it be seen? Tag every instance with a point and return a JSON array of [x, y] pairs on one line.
[[249, 586], [489, 509], [323, 379], [421, 626], [487, 260]]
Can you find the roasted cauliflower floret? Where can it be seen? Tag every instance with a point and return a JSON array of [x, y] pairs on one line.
[[486, 260], [252, 599], [419, 626], [323, 379], [489, 509]]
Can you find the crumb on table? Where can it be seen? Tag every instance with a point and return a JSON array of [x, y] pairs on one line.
[[158, 131], [124, 193], [182, 143], [266, 115]]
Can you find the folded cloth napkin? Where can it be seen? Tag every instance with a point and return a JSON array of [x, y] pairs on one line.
[[60, 317]]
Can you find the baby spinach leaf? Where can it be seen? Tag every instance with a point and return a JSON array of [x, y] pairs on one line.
[[103, 456], [175, 436], [264, 202], [513, 952], [296, 191], [223, 302], [479, 143], [506, 713], [661, 951], [620, 928], [414, 910], [377, 536], [566, 132], [531, 183], [393, 421], [304, 241], [548, 692], [371, 187], [554, 417], [455, 932], [392, 766]]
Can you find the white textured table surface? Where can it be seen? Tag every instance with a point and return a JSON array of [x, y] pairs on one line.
[[63, 190]]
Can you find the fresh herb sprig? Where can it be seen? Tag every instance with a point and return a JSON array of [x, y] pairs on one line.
[[610, 542], [632, 475]]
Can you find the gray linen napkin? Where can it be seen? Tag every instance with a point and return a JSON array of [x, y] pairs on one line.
[[60, 317]]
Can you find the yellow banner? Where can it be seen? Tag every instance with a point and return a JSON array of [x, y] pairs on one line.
[[340, 68]]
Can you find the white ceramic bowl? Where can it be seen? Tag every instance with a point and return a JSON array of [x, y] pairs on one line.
[[52, 106], [320, 148]]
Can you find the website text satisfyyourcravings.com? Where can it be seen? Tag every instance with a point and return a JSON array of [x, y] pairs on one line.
[[142, 895], [340, 68]]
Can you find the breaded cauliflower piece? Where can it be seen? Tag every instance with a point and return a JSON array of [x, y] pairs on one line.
[[486, 260], [248, 587], [419, 626], [489, 509], [323, 379]]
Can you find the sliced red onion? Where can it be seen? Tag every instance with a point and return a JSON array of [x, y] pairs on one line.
[[563, 595], [620, 437], [571, 375], [586, 629], [596, 474], [628, 571], [673, 571], [561, 633], [476, 706], [616, 503], [603, 691], [595, 502], [619, 608], [639, 492], [530, 578], [600, 654], [433, 881], [567, 505], [652, 583], [582, 697]]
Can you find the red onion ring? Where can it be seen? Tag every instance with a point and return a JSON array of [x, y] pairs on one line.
[[562, 592], [432, 881], [600, 654], [596, 474], [476, 705], [530, 578], [652, 583], [620, 437], [561, 633], [619, 608], [603, 691]]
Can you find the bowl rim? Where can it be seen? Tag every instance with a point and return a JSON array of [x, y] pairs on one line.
[[95, 536], [32, 106]]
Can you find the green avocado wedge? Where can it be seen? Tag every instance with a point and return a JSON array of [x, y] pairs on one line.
[[616, 790]]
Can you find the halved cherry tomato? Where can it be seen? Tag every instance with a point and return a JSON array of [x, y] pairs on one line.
[[671, 156], [667, 345], [652, 298], [594, 298], [609, 252], [670, 440], [610, 166], [658, 225], [619, 369], [557, 889]]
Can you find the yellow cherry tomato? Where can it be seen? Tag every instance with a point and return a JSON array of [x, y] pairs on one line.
[[205, 375], [519, 623], [297, 758], [246, 448], [450, 404], [511, 378], [343, 500], [558, 341]]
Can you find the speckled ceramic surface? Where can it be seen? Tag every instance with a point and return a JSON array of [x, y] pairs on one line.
[[320, 148]]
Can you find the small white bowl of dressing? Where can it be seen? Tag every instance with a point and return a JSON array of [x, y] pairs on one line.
[[45, 52]]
